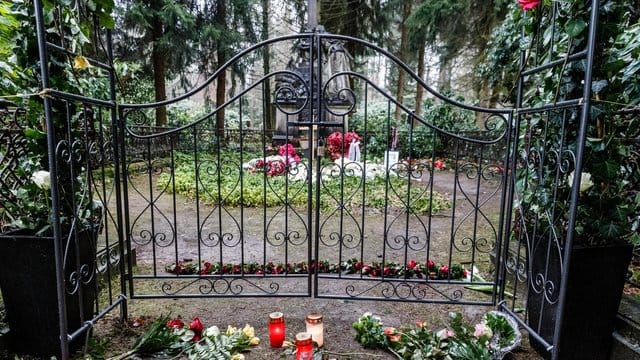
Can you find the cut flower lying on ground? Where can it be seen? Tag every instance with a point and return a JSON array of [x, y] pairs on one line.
[[492, 338], [174, 337]]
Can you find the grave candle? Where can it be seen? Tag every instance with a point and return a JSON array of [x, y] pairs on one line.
[[315, 327], [304, 346], [276, 329]]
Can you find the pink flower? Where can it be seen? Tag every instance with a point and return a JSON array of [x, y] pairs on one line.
[[528, 4], [482, 330]]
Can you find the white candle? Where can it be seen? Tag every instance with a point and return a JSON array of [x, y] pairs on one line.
[[315, 326]]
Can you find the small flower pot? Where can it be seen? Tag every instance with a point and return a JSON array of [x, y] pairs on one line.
[[304, 143], [28, 284]]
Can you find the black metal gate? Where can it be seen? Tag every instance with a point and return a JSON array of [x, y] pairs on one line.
[[418, 210], [415, 215]]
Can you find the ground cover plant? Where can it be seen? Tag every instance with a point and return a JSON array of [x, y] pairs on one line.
[[258, 188]]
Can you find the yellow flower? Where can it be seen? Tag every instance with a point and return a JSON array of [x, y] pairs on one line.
[[230, 330], [249, 331], [237, 357], [80, 62], [254, 341]]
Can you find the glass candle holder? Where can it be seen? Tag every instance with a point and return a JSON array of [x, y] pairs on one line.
[[276, 329], [304, 346], [315, 327]]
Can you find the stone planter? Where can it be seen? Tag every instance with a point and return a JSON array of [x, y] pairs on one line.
[[596, 280], [28, 284]]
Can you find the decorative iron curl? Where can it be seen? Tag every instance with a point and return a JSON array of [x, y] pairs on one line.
[[465, 244], [161, 239], [495, 121], [73, 283], [470, 170], [295, 238], [335, 105], [144, 237], [349, 241], [136, 117], [417, 243], [398, 242], [87, 273], [334, 237], [279, 238], [567, 161], [211, 240], [288, 94]]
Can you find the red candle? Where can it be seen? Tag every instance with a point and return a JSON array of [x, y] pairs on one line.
[[276, 329], [304, 347]]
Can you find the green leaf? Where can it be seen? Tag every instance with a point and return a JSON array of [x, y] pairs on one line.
[[575, 26]]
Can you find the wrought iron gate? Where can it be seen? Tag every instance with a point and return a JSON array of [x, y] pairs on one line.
[[424, 215], [419, 223]]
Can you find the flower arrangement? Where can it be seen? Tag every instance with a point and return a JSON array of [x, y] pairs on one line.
[[274, 165], [173, 337], [493, 337], [338, 144], [412, 269]]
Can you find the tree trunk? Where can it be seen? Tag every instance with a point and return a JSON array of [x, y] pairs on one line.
[[419, 87], [266, 69], [403, 55], [221, 86], [444, 74], [159, 71]]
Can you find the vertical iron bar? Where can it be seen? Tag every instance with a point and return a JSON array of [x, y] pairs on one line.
[[364, 183], [314, 228], [196, 168], [241, 173], [575, 190], [53, 171], [506, 211]]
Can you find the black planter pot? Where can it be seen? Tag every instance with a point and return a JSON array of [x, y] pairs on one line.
[[28, 284], [596, 280]]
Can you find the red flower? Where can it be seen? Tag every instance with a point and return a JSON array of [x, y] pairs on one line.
[[528, 4], [411, 264], [444, 269], [357, 265], [438, 164], [196, 338], [430, 265], [175, 324], [196, 326], [389, 331]]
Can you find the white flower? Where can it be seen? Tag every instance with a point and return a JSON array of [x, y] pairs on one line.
[[211, 331], [42, 179], [585, 181]]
